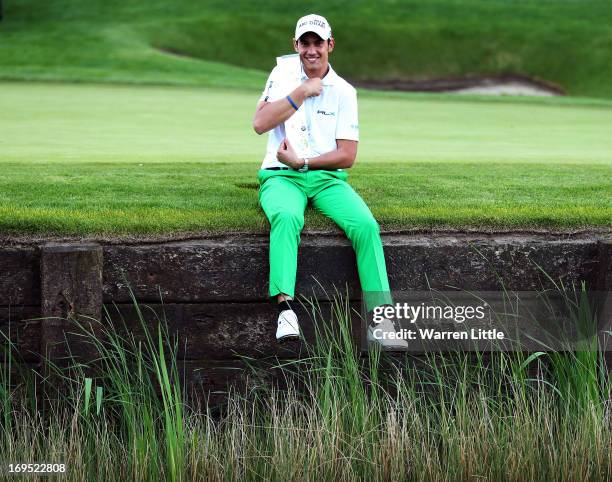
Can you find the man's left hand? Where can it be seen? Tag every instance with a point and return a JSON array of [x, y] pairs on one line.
[[287, 155]]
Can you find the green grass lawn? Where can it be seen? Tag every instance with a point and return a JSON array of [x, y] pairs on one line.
[[233, 44], [174, 150], [104, 159]]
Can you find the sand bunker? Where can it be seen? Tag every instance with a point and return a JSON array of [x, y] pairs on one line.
[[507, 88], [501, 85]]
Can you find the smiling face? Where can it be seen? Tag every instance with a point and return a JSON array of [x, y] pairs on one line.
[[314, 53]]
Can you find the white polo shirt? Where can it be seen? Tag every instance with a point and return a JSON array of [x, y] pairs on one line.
[[331, 115]]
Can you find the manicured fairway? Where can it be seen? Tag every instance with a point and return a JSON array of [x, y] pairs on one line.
[[77, 159], [72, 122]]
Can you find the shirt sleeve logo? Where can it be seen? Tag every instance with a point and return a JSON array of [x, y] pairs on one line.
[[326, 112]]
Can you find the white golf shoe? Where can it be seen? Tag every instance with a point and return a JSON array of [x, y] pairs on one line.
[[288, 326], [385, 334]]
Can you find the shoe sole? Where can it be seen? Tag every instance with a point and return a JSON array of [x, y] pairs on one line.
[[288, 337]]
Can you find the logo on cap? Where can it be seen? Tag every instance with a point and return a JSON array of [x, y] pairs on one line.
[[313, 23]]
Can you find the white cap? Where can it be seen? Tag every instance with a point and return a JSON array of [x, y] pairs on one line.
[[313, 23]]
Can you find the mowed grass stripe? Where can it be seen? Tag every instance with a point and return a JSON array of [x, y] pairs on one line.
[[67, 122], [127, 198]]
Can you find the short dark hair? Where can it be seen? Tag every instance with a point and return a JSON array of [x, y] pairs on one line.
[[300, 37]]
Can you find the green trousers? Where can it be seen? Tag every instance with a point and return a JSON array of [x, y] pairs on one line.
[[283, 196]]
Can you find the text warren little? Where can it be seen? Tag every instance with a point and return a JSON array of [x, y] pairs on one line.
[[433, 334]]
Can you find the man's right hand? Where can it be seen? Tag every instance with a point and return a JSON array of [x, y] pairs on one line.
[[270, 114], [313, 87]]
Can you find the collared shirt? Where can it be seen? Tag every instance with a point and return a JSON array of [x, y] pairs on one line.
[[331, 115]]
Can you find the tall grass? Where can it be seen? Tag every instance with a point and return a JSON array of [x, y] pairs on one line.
[[332, 415]]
